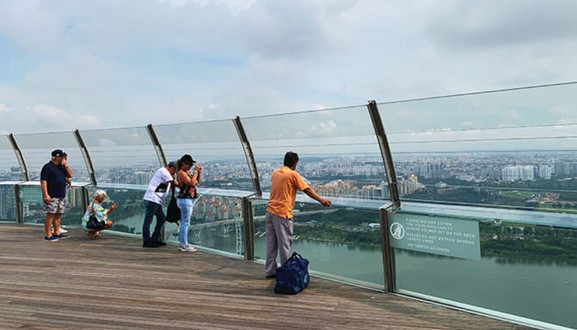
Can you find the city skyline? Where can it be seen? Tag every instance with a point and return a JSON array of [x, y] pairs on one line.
[[364, 177]]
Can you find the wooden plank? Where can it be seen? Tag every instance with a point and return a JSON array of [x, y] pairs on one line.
[[113, 283]]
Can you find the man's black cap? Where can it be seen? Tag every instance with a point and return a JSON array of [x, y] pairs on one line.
[[58, 153]]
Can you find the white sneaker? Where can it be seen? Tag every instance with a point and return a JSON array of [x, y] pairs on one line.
[[186, 248], [62, 230]]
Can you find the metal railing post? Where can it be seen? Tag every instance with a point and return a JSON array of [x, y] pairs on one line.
[[248, 218], [20, 157], [85, 197], [387, 253], [385, 152], [249, 156], [19, 212], [388, 257], [86, 155], [157, 145]]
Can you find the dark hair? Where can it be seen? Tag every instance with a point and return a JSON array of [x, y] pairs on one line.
[[290, 159], [185, 159]]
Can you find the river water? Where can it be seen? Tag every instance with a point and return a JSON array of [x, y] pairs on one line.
[[539, 291]]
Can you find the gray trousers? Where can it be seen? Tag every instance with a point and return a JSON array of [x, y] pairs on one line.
[[279, 233]]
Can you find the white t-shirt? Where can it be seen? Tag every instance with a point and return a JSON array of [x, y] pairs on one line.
[[159, 186]]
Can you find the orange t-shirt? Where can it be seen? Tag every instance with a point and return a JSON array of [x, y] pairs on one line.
[[283, 191]]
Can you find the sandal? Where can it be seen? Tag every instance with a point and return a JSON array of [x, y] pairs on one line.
[[95, 236]]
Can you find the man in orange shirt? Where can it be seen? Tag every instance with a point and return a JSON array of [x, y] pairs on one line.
[[285, 182]]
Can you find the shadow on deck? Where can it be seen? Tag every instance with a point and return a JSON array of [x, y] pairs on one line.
[[114, 283]]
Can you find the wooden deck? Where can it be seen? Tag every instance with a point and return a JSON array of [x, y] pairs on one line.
[[114, 283]]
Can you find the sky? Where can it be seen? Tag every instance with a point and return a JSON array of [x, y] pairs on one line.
[[69, 64]]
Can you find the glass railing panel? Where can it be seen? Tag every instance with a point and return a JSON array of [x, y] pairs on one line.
[[510, 148], [216, 145], [31, 204], [338, 151], [516, 265], [216, 224], [37, 148], [8, 211], [340, 242], [216, 219], [9, 167], [121, 156], [516, 108], [129, 215]]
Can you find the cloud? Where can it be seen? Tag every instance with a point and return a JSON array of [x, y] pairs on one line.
[[89, 121], [51, 115], [326, 128], [318, 107], [466, 26], [106, 143], [175, 3], [115, 64], [468, 125], [63, 120], [513, 114], [446, 129], [3, 108], [563, 115], [31, 25], [233, 5], [560, 111], [565, 122]]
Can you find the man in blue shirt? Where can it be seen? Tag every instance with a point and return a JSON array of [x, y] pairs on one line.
[[53, 181]]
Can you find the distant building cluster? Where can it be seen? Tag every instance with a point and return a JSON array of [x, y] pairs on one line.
[[490, 166], [433, 171], [530, 172], [348, 188], [360, 177], [7, 205], [515, 173], [12, 174], [216, 208]]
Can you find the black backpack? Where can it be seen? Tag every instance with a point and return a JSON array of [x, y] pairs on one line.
[[173, 212]]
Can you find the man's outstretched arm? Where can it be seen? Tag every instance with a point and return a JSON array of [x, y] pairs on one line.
[[312, 194]]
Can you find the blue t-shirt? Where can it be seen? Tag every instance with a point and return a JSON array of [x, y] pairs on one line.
[[55, 177]]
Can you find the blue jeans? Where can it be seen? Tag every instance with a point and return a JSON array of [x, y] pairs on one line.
[[185, 206], [152, 209]]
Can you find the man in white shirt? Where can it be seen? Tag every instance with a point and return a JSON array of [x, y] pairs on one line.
[[153, 199]]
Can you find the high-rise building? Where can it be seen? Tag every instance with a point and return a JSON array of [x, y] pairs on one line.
[[563, 168], [514, 173], [143, 177], [407, 186], [545, 172], [7, 207]]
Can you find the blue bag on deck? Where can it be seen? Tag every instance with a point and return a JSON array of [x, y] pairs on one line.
[[293, 276]]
